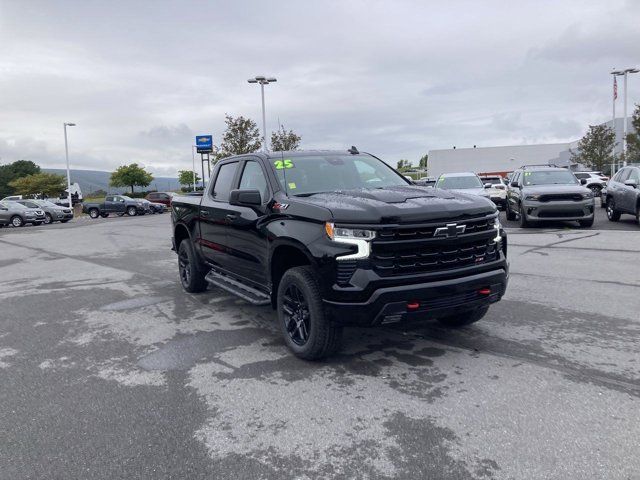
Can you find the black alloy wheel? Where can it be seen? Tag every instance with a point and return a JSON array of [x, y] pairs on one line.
[[297, 317], [192, 278]]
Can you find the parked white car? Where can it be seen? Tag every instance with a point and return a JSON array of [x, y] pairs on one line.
[[596, 181], [497, 191]]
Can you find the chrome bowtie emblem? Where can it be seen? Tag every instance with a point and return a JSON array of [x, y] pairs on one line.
[[450, 231]]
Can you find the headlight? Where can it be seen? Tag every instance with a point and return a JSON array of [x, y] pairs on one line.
[[351, 236], [498, 228], [532, 197]]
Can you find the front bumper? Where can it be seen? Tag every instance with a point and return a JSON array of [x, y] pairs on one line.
[[422, 300], [559, 210]]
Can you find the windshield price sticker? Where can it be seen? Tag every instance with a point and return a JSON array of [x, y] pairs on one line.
[[282, 164], [292, 185]]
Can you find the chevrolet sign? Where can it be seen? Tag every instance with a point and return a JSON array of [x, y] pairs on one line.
[[450, 231]]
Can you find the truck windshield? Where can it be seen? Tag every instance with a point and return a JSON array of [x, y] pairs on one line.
[[459, 183], [551, 177], [329, 173]]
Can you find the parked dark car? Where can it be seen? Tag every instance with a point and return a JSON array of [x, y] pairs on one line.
[[16, 214], [539, 192], [623, 194], [333, 238], [155, 207], [116, 204], [160, 197], [52, 212]]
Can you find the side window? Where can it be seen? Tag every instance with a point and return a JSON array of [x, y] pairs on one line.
[[580, 176], [225, 176], [622, 175], [253, 179], [634, 175], [109, 199], [515, 177]]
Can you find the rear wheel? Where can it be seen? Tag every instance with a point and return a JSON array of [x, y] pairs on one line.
[[307, 331], [47, 218], [17, 221], [94, 213], [612, 214], [464, 318], [132, 212], [192, 277]]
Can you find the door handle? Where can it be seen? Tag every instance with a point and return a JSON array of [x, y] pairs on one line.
[[231, 217], [204, 213]]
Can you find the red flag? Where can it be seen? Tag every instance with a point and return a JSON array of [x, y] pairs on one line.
[[615, 88]]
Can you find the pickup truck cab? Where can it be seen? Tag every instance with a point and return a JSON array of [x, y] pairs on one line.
[[117, 204], [335, 238]]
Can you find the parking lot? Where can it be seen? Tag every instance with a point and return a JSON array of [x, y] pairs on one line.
[[109, 370]]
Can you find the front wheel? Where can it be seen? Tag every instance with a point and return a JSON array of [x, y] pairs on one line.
[[192, 277], [510, 215], [612, 214], [307, 331], [17, 221], [132, 212], [464, 318], [47, 218]]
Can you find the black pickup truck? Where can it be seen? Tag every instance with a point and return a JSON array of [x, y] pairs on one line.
[[335, 238], [118, 204]]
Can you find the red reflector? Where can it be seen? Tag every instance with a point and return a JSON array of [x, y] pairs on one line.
[[413, 305], [484, 291]]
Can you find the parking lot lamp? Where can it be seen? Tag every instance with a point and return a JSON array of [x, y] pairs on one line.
[[66, 152], [262, 80]]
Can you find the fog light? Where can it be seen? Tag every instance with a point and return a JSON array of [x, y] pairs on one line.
[[413, 305], [484, 291]]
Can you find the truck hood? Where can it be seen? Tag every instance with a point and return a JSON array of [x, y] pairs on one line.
[[470, 191], [410, 204]]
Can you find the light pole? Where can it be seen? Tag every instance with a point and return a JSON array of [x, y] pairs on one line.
[[66, 151], [262, 80], [193, 157], [625, 73]]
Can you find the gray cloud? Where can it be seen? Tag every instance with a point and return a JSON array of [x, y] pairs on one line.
[[142, 78]]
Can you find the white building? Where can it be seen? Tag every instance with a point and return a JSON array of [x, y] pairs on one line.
[[500, 160]]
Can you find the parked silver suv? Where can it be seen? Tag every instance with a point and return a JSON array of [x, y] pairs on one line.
[[52, 212], [623, 194], [13, 213], [540, 192]]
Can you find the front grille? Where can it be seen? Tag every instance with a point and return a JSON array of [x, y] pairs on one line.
[[421, 253], [561, 197], [428, 231], [66, 210]]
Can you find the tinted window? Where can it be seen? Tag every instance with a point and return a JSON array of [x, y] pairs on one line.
[[549, 177], [334, 172], [469, 181], [623, 174], [582, 175], [109, 199], [634, 175], [253, 179], [222, 187]]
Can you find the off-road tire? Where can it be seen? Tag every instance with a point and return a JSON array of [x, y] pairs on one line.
[[464, 318], [612, 214], [191, 275], [324, 335]]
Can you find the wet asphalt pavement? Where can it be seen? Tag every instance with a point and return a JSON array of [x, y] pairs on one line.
[[109, 370]]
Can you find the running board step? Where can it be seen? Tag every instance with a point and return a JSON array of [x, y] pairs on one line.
[[231, 285]]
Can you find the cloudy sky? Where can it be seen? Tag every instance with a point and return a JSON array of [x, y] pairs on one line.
[[397, 78]]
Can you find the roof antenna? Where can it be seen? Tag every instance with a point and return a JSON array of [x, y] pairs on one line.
[[353, 150]]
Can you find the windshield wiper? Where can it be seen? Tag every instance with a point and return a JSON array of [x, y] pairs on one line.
[[307, 194]]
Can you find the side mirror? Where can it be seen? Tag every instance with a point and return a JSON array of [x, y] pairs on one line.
[[514, 184], [631, 183], [487, 185], [247, 198], [583, 181]]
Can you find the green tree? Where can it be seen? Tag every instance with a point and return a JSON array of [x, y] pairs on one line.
[[130, 176], [424, 160], [403, 164], [13, 171], [595, 149], [185, 177], [241, 136], [633, 139], [48, 184], [283, 141]]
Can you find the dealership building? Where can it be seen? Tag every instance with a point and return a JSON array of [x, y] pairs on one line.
[[501, 160]]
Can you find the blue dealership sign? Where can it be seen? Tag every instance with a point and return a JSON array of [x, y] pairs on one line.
[[204, 143]]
